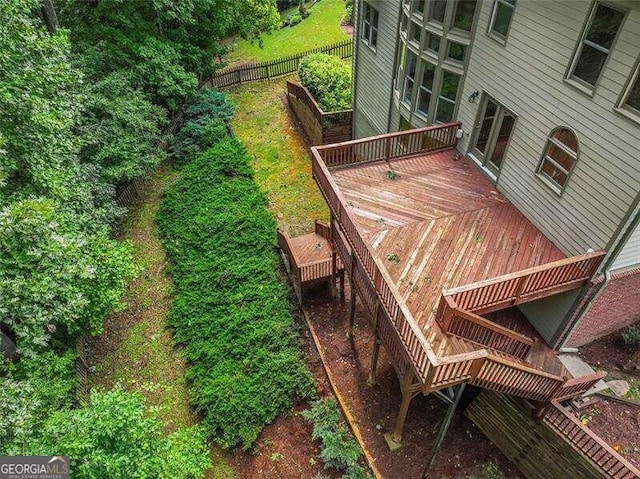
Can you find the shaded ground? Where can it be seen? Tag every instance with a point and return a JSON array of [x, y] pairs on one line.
[[136, 349], [607, 353], [465, 453]]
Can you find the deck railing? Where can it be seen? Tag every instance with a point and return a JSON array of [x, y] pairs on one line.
[[526, 285], [481, 331], [591, 445], [398, 330], [322, 229], [390, 146]]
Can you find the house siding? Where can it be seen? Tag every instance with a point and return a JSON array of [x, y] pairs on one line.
[[630, 253], [374, 71], [526, 75]]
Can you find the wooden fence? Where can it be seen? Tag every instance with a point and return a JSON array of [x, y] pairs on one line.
[[321, 127], [236, 75]]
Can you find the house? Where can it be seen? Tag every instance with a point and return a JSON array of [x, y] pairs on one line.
[[548, 94], [487, 214]]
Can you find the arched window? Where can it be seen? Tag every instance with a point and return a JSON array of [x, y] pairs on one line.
[[559, 157]]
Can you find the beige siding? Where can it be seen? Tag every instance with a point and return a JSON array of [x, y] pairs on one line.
[[630, 253], [374, 71], [526, 76]]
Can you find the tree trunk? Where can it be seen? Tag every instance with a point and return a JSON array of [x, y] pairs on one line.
[[49, 16]]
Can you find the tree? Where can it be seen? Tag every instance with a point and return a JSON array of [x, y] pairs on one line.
[[116, 436]]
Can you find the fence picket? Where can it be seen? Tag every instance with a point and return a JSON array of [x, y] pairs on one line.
[[232, 76]]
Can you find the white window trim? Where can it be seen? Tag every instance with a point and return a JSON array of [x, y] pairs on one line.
[[621, 106], [494, 11], [367, 26]]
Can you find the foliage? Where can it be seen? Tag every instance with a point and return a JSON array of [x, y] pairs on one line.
[[295, 19], [231, 309], [120, 129], [31, 391], [347, 16], [321, 29], [328, 78], [205, 124], [52, 275], [339, 449], [115, 436], [630, 337], [303, 11]]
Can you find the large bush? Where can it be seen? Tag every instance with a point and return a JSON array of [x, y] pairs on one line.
[[231, 309], [328, 78], [115, 436]]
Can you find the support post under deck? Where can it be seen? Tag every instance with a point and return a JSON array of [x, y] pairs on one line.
[[371, 381], [352, 299], [453, 399], [407, 396]]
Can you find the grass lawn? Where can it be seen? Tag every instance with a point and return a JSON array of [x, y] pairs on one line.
[[321, 28], [281, 163], [137, 349]]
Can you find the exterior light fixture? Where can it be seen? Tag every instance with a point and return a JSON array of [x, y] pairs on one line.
[[473, 96]]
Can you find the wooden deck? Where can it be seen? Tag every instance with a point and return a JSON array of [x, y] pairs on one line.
[[429, 246], [439, 225]]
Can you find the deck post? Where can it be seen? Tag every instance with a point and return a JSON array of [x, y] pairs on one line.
[[444, 427], [333, 272], [407, 396], [371, 380], [352, 308]]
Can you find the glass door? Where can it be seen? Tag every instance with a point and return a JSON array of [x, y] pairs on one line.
[[492, 134]]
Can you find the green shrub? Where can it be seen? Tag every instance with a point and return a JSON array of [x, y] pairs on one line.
[[347, 17], [339, 450], [295, 19], [303, 11], [205, 124], [328, 78], [631, 337], [116, 436], [231, 309]]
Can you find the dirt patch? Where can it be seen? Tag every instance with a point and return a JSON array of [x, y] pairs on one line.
[[607, 353], [347, 29], [619, 425], [465, 453]]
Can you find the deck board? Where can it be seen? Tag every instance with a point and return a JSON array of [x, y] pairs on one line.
[[441, 224]]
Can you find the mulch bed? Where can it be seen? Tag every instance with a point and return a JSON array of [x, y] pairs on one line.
[[619, 425], [607, 353]]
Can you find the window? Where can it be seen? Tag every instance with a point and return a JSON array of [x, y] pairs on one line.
[[559, 157], [433, 42], [456, 52], [594, 47], [630, 100], [420, 6], [409, 78], [416, 30], [501, 18], [448, 95], [437, 10], [426, 88], [463, 15], [370, 25]]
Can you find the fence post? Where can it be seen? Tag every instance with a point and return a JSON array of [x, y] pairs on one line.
[[268, 75]]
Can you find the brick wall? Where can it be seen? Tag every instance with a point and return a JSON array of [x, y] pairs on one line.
[[616, 305]]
